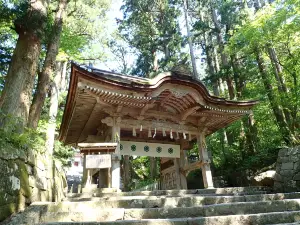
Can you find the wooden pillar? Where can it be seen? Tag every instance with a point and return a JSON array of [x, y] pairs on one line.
[[126, 176], [182, 174], [109, 177], [206, 172], [115, 163], [177, 172], [152, 167], [86, 180]]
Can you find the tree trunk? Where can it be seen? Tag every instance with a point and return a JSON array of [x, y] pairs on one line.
[[209, 51], [54, 96], [211, 69], [185, 5], [230, 87], [155, 62], [48, 67], [282, 89], [238, 78], [287, 135], [224, 57], [217, 70], [16, 96], [250, 131]]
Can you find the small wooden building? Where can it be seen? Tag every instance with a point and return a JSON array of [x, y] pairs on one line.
[[110, 113]]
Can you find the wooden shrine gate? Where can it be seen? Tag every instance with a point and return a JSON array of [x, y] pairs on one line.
[[110, 113]]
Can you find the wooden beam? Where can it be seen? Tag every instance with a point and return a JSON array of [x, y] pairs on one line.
[[192, 166], [165, 99], [131, 123], [149, 140], [188, 112], [100, 144], [119, 108], [147, 107]]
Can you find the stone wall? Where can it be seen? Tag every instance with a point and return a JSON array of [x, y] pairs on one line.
[[287, 177], [26, 177]]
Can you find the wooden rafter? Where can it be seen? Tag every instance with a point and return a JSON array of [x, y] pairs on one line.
[[148, 106], [188, 112], [88, 120]]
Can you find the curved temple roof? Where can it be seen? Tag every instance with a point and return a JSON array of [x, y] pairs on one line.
[[171, 101]]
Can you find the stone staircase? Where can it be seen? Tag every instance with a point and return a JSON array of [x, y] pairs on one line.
[[221, 206]]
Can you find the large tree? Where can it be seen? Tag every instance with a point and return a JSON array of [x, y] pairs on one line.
[[30, 20], [152, 28], [49, 66]]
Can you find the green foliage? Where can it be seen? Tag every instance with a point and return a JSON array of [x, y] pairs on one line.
[[152, 27], [63, 153], [84, 35], [29, 139], [10, 134], [141, 172]]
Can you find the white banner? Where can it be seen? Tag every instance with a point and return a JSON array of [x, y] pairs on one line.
[[149, 149], [98, 161]]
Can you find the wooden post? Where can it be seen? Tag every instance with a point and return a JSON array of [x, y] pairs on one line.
[[152, 167], [85, 172], [115, 164], [89, 178], [177, 172], [109, 177], [183, 182], [126, 175], [206, 172]]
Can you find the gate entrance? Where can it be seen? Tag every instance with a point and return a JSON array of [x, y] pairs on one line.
[[109, 113]]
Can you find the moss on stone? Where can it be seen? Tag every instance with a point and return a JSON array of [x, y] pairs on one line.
[[7, 210], [24, 179], [10, 152]]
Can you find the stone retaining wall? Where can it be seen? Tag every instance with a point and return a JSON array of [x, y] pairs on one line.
[[27, 177], [287, 177]]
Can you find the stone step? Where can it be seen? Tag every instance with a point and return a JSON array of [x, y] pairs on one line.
[[296, 223], [166, 201], [89, 213], [85, 197], [170, 194], [249, 219], [186, 200], [234, 190], [100, 190]]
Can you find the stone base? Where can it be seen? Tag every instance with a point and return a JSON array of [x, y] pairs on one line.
[[27, 177], [287, 177]]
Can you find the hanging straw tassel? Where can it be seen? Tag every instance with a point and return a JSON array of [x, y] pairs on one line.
[[141, 129], [154, 133], [149, 133], [177, 135], [171, 134], [184, 136], [133, 132], [164, 132]]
